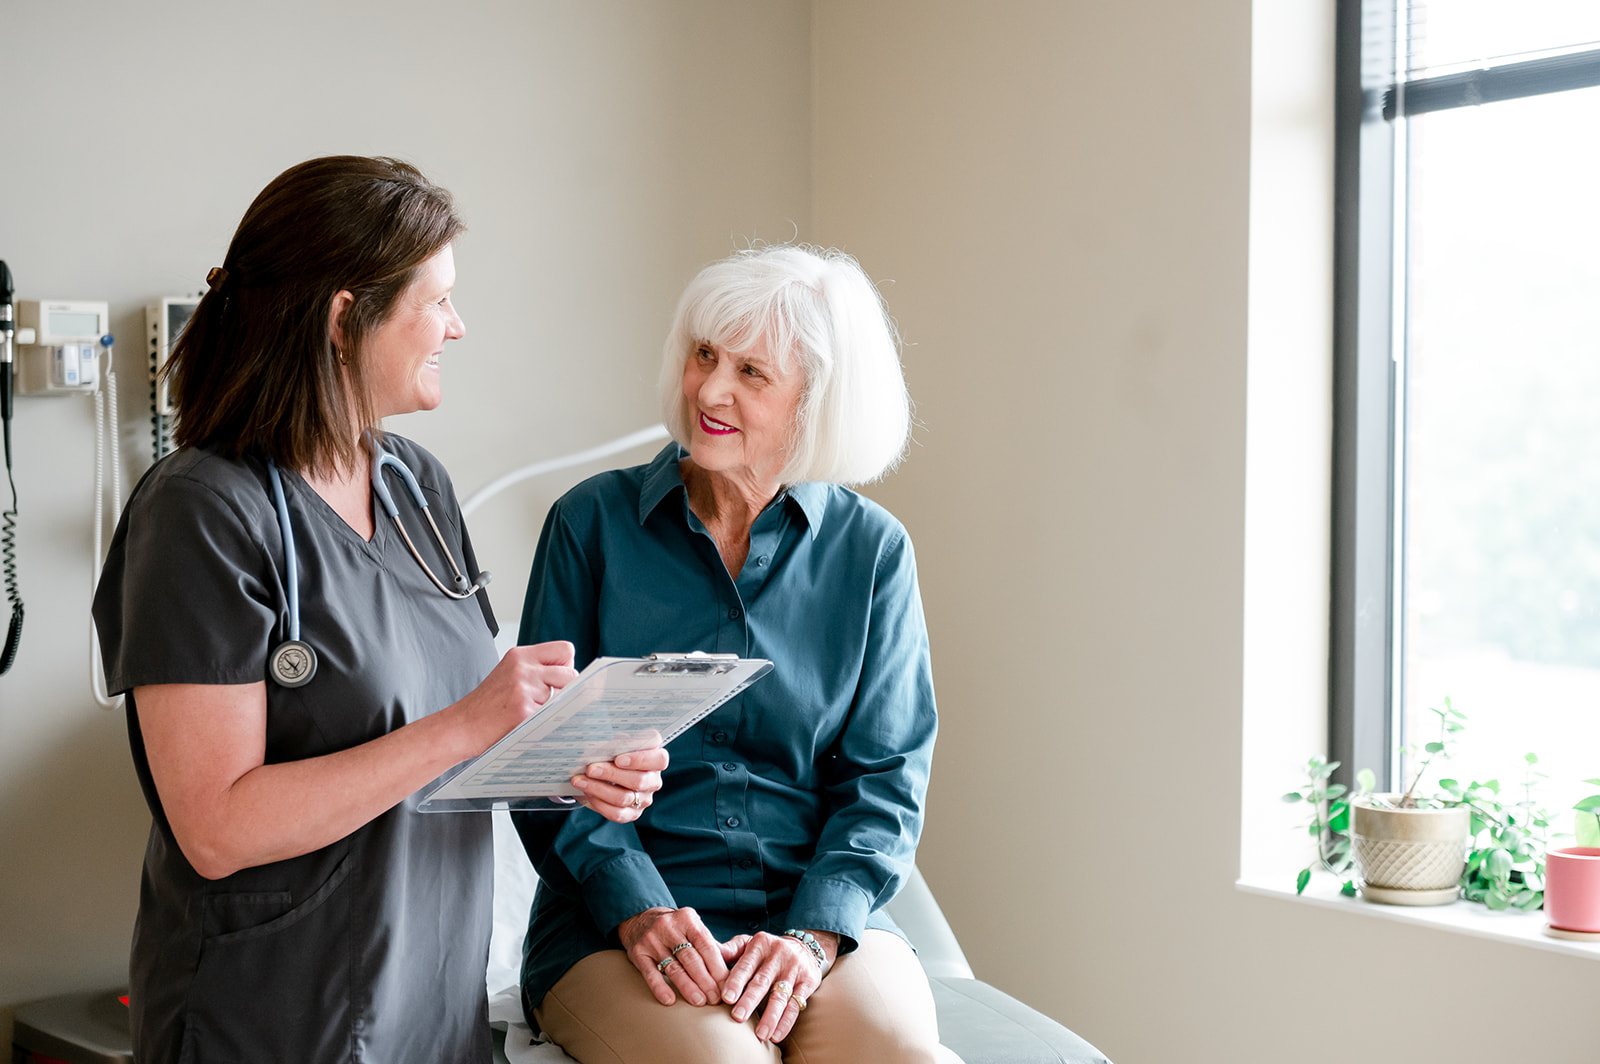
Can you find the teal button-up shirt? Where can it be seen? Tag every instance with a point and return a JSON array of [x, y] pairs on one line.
[[797, 803]]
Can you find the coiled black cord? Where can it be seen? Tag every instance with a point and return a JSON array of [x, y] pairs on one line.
[[8, 565]]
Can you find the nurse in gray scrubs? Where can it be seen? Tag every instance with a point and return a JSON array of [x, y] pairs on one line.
[[294, 905]]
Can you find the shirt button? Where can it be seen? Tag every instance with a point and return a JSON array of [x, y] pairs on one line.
[[746, 863], [729, 766], [753, 925], [734, 613], [732, 821], [719, 737], [761, 560]]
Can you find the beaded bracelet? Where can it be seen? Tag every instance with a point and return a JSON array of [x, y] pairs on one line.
[[807, 939]]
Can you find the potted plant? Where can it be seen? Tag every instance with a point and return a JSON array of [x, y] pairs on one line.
[[1410, 849], [1572, 891], [1417, 849]]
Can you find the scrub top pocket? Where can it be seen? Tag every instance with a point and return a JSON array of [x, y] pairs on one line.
[[273, 990]]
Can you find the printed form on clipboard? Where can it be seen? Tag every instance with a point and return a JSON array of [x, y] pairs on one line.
[[614, 706]]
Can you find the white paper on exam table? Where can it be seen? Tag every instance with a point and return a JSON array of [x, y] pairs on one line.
[[615, 705]]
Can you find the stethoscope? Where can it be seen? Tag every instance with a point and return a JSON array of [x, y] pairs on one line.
[[293, 663]]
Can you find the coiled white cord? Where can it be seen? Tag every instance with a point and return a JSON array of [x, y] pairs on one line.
[[105, 423]]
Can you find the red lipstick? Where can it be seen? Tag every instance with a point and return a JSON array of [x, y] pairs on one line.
[[715, 428]]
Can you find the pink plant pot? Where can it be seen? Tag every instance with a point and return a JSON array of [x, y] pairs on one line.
[[1572, 888]]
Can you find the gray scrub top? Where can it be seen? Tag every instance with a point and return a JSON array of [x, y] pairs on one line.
[[373, 948]]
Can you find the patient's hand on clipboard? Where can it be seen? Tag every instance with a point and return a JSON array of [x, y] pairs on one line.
[[622, 789]]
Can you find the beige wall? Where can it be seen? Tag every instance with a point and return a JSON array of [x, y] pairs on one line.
[[1059, 195], [601, 152]]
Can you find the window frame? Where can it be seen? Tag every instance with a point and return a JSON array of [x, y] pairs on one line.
[[1373, 96]]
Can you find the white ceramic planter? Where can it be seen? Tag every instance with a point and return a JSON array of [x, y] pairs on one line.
[[1409, 856]]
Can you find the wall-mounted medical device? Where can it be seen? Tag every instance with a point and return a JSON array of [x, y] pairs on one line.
[[163, 323], [59, 345]]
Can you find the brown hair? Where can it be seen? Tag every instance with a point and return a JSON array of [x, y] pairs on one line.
[[256, 370]]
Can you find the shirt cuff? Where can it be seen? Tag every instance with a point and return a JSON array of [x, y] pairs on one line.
[[624, 887], [835, 905]]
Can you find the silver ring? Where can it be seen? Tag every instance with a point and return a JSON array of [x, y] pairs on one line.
[[637, 801], [679, 948]]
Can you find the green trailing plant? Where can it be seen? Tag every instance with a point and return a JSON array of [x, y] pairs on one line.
[[1587, 824], [1506, 858], [1330, 820]]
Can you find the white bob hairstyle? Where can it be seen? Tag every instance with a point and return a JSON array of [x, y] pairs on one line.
[[815, 308]]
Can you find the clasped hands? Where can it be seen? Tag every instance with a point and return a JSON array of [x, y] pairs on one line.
[[740, 972]]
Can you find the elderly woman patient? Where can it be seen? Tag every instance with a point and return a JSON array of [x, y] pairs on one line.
[[740, 917]]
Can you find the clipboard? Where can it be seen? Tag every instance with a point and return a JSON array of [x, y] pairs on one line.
[[615, 705]]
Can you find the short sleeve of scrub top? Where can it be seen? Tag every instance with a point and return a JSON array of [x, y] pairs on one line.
[[198, 589]]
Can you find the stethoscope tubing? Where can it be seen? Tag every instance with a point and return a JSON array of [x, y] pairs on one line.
[[291, 566], [382, 460], [293, 662]]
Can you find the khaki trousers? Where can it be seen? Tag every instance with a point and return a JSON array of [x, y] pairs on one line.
[[874, 1006]]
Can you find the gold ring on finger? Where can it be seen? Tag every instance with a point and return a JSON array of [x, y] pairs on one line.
[[799, 1003], [664, 963], [637, 801]]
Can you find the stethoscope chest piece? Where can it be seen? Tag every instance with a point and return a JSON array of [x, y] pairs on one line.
[[292, 663]]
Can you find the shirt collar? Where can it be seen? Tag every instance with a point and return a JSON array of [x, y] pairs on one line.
[[812, 499], [662, 478]]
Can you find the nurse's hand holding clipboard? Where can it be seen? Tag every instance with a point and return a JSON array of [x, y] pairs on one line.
[[619, 790]]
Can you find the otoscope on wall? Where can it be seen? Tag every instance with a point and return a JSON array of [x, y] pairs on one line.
[[8, 518]]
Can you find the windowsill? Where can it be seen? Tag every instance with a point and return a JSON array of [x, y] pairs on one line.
[[1462, 917]]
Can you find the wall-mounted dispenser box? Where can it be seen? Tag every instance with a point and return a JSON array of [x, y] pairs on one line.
[[62, 356]]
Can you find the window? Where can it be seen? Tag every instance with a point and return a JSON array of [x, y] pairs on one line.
[[1467, 389]]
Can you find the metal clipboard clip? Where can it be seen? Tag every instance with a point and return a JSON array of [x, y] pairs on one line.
[[694, 663]]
